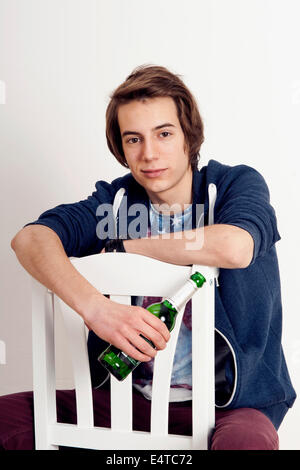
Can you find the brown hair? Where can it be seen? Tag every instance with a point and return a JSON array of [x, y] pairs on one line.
[[151, 81]]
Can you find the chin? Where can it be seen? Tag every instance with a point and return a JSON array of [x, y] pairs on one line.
[[157, 188]]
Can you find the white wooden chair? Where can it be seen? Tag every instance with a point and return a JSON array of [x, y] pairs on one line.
[[121, 275]]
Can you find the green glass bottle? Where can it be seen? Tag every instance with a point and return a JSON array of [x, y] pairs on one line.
[[120, 364]]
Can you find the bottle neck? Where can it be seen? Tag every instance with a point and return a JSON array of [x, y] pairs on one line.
[[184, 294]]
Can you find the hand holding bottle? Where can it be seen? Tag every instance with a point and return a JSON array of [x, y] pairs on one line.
[[117, 361], [122, 325]]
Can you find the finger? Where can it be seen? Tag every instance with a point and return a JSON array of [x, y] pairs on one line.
[[131, 351], [142, 344], [153, 335], [157, 324]]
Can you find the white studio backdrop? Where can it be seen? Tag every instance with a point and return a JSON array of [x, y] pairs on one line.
[[60, 60]]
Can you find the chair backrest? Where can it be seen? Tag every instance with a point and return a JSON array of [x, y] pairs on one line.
[[122, 275]]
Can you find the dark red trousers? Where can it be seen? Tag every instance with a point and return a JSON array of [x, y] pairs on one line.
[[240, 429]]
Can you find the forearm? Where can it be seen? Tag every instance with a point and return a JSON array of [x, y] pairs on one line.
[[40, 251], [220, 245]]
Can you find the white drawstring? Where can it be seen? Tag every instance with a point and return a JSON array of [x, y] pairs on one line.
[[117, 202]]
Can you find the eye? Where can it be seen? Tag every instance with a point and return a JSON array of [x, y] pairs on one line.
[[165, 132], [129, 141]]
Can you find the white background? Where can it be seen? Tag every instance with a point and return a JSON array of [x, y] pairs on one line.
[[60, 60]]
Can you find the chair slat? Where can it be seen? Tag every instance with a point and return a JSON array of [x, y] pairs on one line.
[[202, 361], [78, 346], [121, 392], [161, 382], [43, 358]]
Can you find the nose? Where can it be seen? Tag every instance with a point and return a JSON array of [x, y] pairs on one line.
[[150, 150]]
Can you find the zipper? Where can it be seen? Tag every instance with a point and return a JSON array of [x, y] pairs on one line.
[[212, 196], [103, 382], [235, 370]]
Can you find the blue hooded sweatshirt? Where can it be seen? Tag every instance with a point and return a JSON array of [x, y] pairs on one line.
[[250, 366]]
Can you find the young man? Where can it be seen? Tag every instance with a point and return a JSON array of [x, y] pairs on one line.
[[154, 129]]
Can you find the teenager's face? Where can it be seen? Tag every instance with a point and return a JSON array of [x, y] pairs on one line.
[[153, 139]]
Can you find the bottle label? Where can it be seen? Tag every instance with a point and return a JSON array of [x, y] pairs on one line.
[[129, 361]]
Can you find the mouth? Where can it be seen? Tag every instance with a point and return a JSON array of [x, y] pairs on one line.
[[153, 173]]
